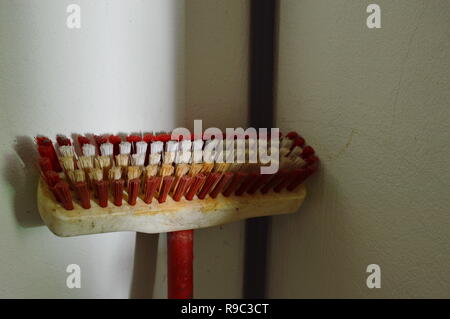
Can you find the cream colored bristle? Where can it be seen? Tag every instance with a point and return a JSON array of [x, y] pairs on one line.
[[96, 174], [151, 170], [221, 167], [115, 173], [154, 159], [102, 162], [181, 170], [78, 176], [85, 162], [284, 152], [195, 169], [286, 143], [122, 160], [168, 157], [67, 163], [134, 172], [297, 162], [296, 151], [166, 170], [207, 167]]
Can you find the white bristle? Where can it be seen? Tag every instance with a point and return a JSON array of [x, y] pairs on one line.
[[229, 156], [208, 156], [185, 145], [88, 150], [125, 148], [66, 150], [106, 149], [183, 157], [197, 156], [211, 144], [171, 146], [197, 145], [138, 159], [141, 147], [156, 147]]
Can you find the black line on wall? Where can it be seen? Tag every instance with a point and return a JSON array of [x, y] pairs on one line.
[[261, 99]]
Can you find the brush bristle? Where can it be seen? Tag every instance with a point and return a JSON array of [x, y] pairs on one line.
[[204, 167]]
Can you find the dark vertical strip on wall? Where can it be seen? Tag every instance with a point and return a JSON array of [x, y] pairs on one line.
[[261, 99]]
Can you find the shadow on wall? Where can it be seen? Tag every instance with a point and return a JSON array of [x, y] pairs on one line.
[[21, 173], [144, 269]]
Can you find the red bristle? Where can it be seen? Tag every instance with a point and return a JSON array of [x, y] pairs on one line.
[[63, 140], [45, 164], [148, 138], [115, 140], [82, 140], [48, 151], [165, 188], [99, 140], [275, 180], [133, 139], [195, 185], [211, 180], [247, 183], [51, 178], [150, 186], [181, 187], [221, 184], [307, 152], [234, 184], [42, 140], [101, 190], [117, 191], [64, 195], [292, 135], [311, 169], [288, 178], [163, 138], [82, 190], [299, 141], [300, 176], [133, 190], [260, 181], [311, 160]]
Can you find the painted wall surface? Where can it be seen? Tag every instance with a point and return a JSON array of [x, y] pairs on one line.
[[121, 72], [216, 92], [375, 105]]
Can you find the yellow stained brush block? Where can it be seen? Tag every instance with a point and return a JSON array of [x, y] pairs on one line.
[[165, 217]]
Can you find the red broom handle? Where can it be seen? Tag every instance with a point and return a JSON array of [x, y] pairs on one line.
[[179, 264]]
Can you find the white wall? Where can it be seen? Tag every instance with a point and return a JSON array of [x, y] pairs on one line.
[[375, 105], [121, 72]]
